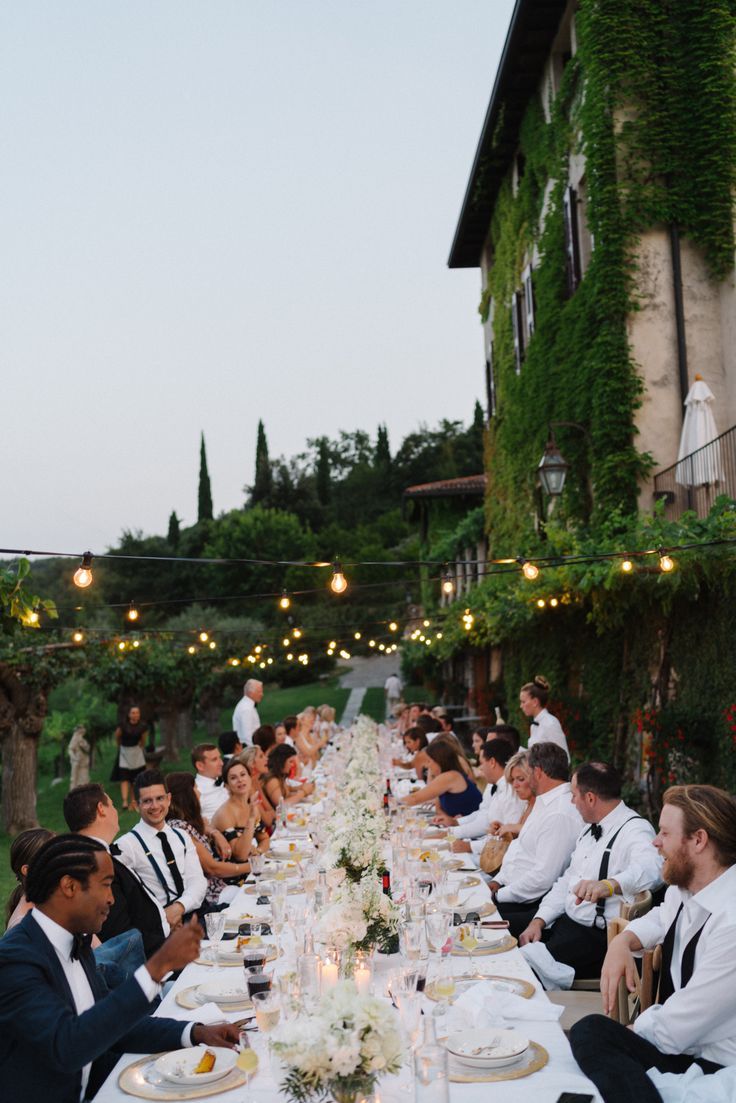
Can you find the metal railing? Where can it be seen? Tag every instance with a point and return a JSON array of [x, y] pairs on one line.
[[695, 481]]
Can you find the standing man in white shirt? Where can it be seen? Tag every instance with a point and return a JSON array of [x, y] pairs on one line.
[[164, 858], [544, 727], [694, 1018], [392, 689], [542, 851], [500, 802], [207, 762], [612, 861], [245, 716]]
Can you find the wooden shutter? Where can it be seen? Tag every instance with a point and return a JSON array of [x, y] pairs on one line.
[[527, 285], [490, 382], [518, 329], [572, 242]]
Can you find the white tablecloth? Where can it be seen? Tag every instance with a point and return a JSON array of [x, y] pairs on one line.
[[561, 1073]]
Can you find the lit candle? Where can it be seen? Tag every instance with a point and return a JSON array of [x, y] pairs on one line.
[[330, 975], [362, 977]]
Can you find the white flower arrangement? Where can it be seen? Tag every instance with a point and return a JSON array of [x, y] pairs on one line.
[[341, 1047], [359, 917]]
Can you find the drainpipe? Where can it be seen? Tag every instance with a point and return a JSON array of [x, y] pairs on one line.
[[679, 312]]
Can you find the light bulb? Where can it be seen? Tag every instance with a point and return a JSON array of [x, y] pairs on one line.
[[382, 647], [203, 637], [448, 586], [284, 600], [78, 636], [289, 657], [371, 643], [121, 646], [286, 641], [32, 617], [330, 651], [393, 626], [83, 573], [258, 649], [269, 661], [529, 570], [554, 602], [438, 635], [425, 623], [191, 649], [132, 613], [627, 566], [297, 633], [338, 582], [666, 562], [213, 645], [541, 603], [262, 666], [428, 642], [357, 635]]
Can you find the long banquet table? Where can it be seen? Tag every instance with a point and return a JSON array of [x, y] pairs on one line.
[[561, 1074]]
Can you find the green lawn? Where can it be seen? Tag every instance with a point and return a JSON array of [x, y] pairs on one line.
[[276, 704]]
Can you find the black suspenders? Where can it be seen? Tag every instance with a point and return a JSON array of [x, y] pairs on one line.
[[600, 907], [170, 898]]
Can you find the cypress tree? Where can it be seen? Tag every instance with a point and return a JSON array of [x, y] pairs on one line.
[[172, 536], [383, 451], [262, 484], [324, 487], [204, 499]]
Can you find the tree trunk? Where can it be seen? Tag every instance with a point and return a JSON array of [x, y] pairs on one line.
[[185, 726], [212, 721], [20, 759], [168, 726]]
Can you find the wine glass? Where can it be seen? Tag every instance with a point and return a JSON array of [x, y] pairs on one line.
[[257, 866], [444, 985], [278, 913], [215, 924], [469, 937], [438, 924], [247, 1060]]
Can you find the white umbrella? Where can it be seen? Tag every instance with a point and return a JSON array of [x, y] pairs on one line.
[[698, 436]]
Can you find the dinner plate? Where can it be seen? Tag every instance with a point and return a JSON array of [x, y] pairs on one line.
[[179, 1065], [266, 887], [222, 992], [232, 924], [487, 1049], [463, 981]]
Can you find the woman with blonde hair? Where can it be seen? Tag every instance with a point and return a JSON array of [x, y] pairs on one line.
[[256, 763], [517, 774]]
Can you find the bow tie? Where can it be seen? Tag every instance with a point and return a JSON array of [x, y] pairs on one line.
[[596, 831], [218, 780], [81, 944], [115, 850], [534, 722], [494, 787]]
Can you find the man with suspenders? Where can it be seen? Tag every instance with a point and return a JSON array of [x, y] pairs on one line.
[[612, 861], [693, 1020], [164, 858]]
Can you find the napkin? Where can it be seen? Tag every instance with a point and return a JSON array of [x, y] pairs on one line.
[[483, 1006], [694, 1086], [207, 1013], [553, 974]]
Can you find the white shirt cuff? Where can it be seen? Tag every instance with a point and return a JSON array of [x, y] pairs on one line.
[[186, 1035], [149, 986]]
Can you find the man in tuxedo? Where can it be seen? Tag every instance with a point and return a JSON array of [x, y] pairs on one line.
[[89, 811], [61, 1030], [694, 1018]]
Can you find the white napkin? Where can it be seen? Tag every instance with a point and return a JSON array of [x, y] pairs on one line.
[[484, 1006], [694, 1086], [553, 974], [207, 1013]]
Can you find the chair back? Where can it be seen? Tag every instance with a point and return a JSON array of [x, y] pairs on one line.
[[639, 906]]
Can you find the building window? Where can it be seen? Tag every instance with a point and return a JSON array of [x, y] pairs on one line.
[[517, 324], [527, 289], [490, 382], [572, 241]]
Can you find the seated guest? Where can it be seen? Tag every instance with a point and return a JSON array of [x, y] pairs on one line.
[[291, 726], [509, 733], [282, 763], [542, 851], [477, 739], [544, 727], [454, 742], [517, 775], [61, 1029], [160, 855], [265, 738], [89, 811], [441, 714], [415, 741], [207, 762], [306, 741], [239, 818], [452, 790], [612, 861], [23, 849], [279, 732], [185, 815], [326, 721], [228, 745], [431, 727], [694, 1018], [500, 802], [256, 764]]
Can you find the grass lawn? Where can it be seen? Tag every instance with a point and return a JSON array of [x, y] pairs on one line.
[[276, 704]]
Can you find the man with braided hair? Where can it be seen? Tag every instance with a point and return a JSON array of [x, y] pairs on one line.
[[61, 1030]]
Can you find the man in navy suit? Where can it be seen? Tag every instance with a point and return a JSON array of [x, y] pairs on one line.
[[61, 1030]]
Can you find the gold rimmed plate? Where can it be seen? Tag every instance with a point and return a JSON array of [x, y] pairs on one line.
[[463, 981]]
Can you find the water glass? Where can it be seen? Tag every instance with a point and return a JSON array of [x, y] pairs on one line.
[[215, 925], [438, 925], [411, 939], [268, 1009]]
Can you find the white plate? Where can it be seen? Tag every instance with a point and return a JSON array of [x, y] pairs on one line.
[[510, 1047], [221, 992], [485, 938], [179, 1065]]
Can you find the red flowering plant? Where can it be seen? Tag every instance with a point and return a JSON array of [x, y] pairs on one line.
[[675, 744]]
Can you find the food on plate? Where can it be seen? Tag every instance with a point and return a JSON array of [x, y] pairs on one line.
[[207, 1063]]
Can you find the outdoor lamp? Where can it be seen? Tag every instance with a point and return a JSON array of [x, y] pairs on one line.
[[132, 613], [553, 468], [338, 582], [529, 570], [666, 562], [284, 600], [83, 573]]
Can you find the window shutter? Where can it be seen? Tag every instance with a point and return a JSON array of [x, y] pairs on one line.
[[518, 329], [490, 382], [572, 243], [527, 285]]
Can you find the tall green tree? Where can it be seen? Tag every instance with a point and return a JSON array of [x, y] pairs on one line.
[[263, 481], [204, 498], [383, 451], [172, 536], [323, 473]]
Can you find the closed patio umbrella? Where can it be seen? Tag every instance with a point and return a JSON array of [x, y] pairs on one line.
[[699, 457]]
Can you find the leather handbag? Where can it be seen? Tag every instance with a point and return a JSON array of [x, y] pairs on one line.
[[492, 854]]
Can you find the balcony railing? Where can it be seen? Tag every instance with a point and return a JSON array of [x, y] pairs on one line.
[[695, 481]]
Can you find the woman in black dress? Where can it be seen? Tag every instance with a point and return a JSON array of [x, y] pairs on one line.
[[131, 738]]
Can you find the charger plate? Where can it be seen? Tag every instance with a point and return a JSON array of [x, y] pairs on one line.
[[519, 987], [501, 947], [187, 998], [133, 1082], [534, 1059], [270, 956]]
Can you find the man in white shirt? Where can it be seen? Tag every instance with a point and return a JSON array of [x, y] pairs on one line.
[[61, 1030], [245, 716], [207, 761], [500, 803], [613, 860], [163, 857], [542, 851], [544, 727], [392, 689], [694, 1019]]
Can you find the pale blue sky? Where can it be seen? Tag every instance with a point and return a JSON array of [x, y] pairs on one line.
[[212, 212]]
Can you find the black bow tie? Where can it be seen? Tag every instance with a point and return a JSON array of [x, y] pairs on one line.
[[493, 789], [115, 850], [534, 722], [81, 945], [218, 780], [596, 831]]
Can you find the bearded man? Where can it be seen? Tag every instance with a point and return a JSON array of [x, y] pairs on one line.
[[694, 1019]]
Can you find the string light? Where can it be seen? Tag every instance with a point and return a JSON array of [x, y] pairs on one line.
[[627, 566], [344, 654], [338, 582], [290, 657], [284, 600], [529, 570], [357, 635], [121, 646], [382, 647], [666, 562], [31, 619], [203, 637], [371, 643], [438, 635], [393, 626], [297, 633], [213, 645], [132, 614], [541, 603], [330, 650], [468, 620], [234, 662], [425, 623], [83, 573], [285, 641], [258, 649], [269, 661], [78, 636], [191, 649], [554, 602], [448, 584], [136, 643]]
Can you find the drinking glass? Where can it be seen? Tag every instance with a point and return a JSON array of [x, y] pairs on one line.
[[438, 924], [257, 980], [247, 1061], [469, 937], [444, 985], [411, 936], [278, 912], [215, 925], [268, 1009], [451, 894]]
